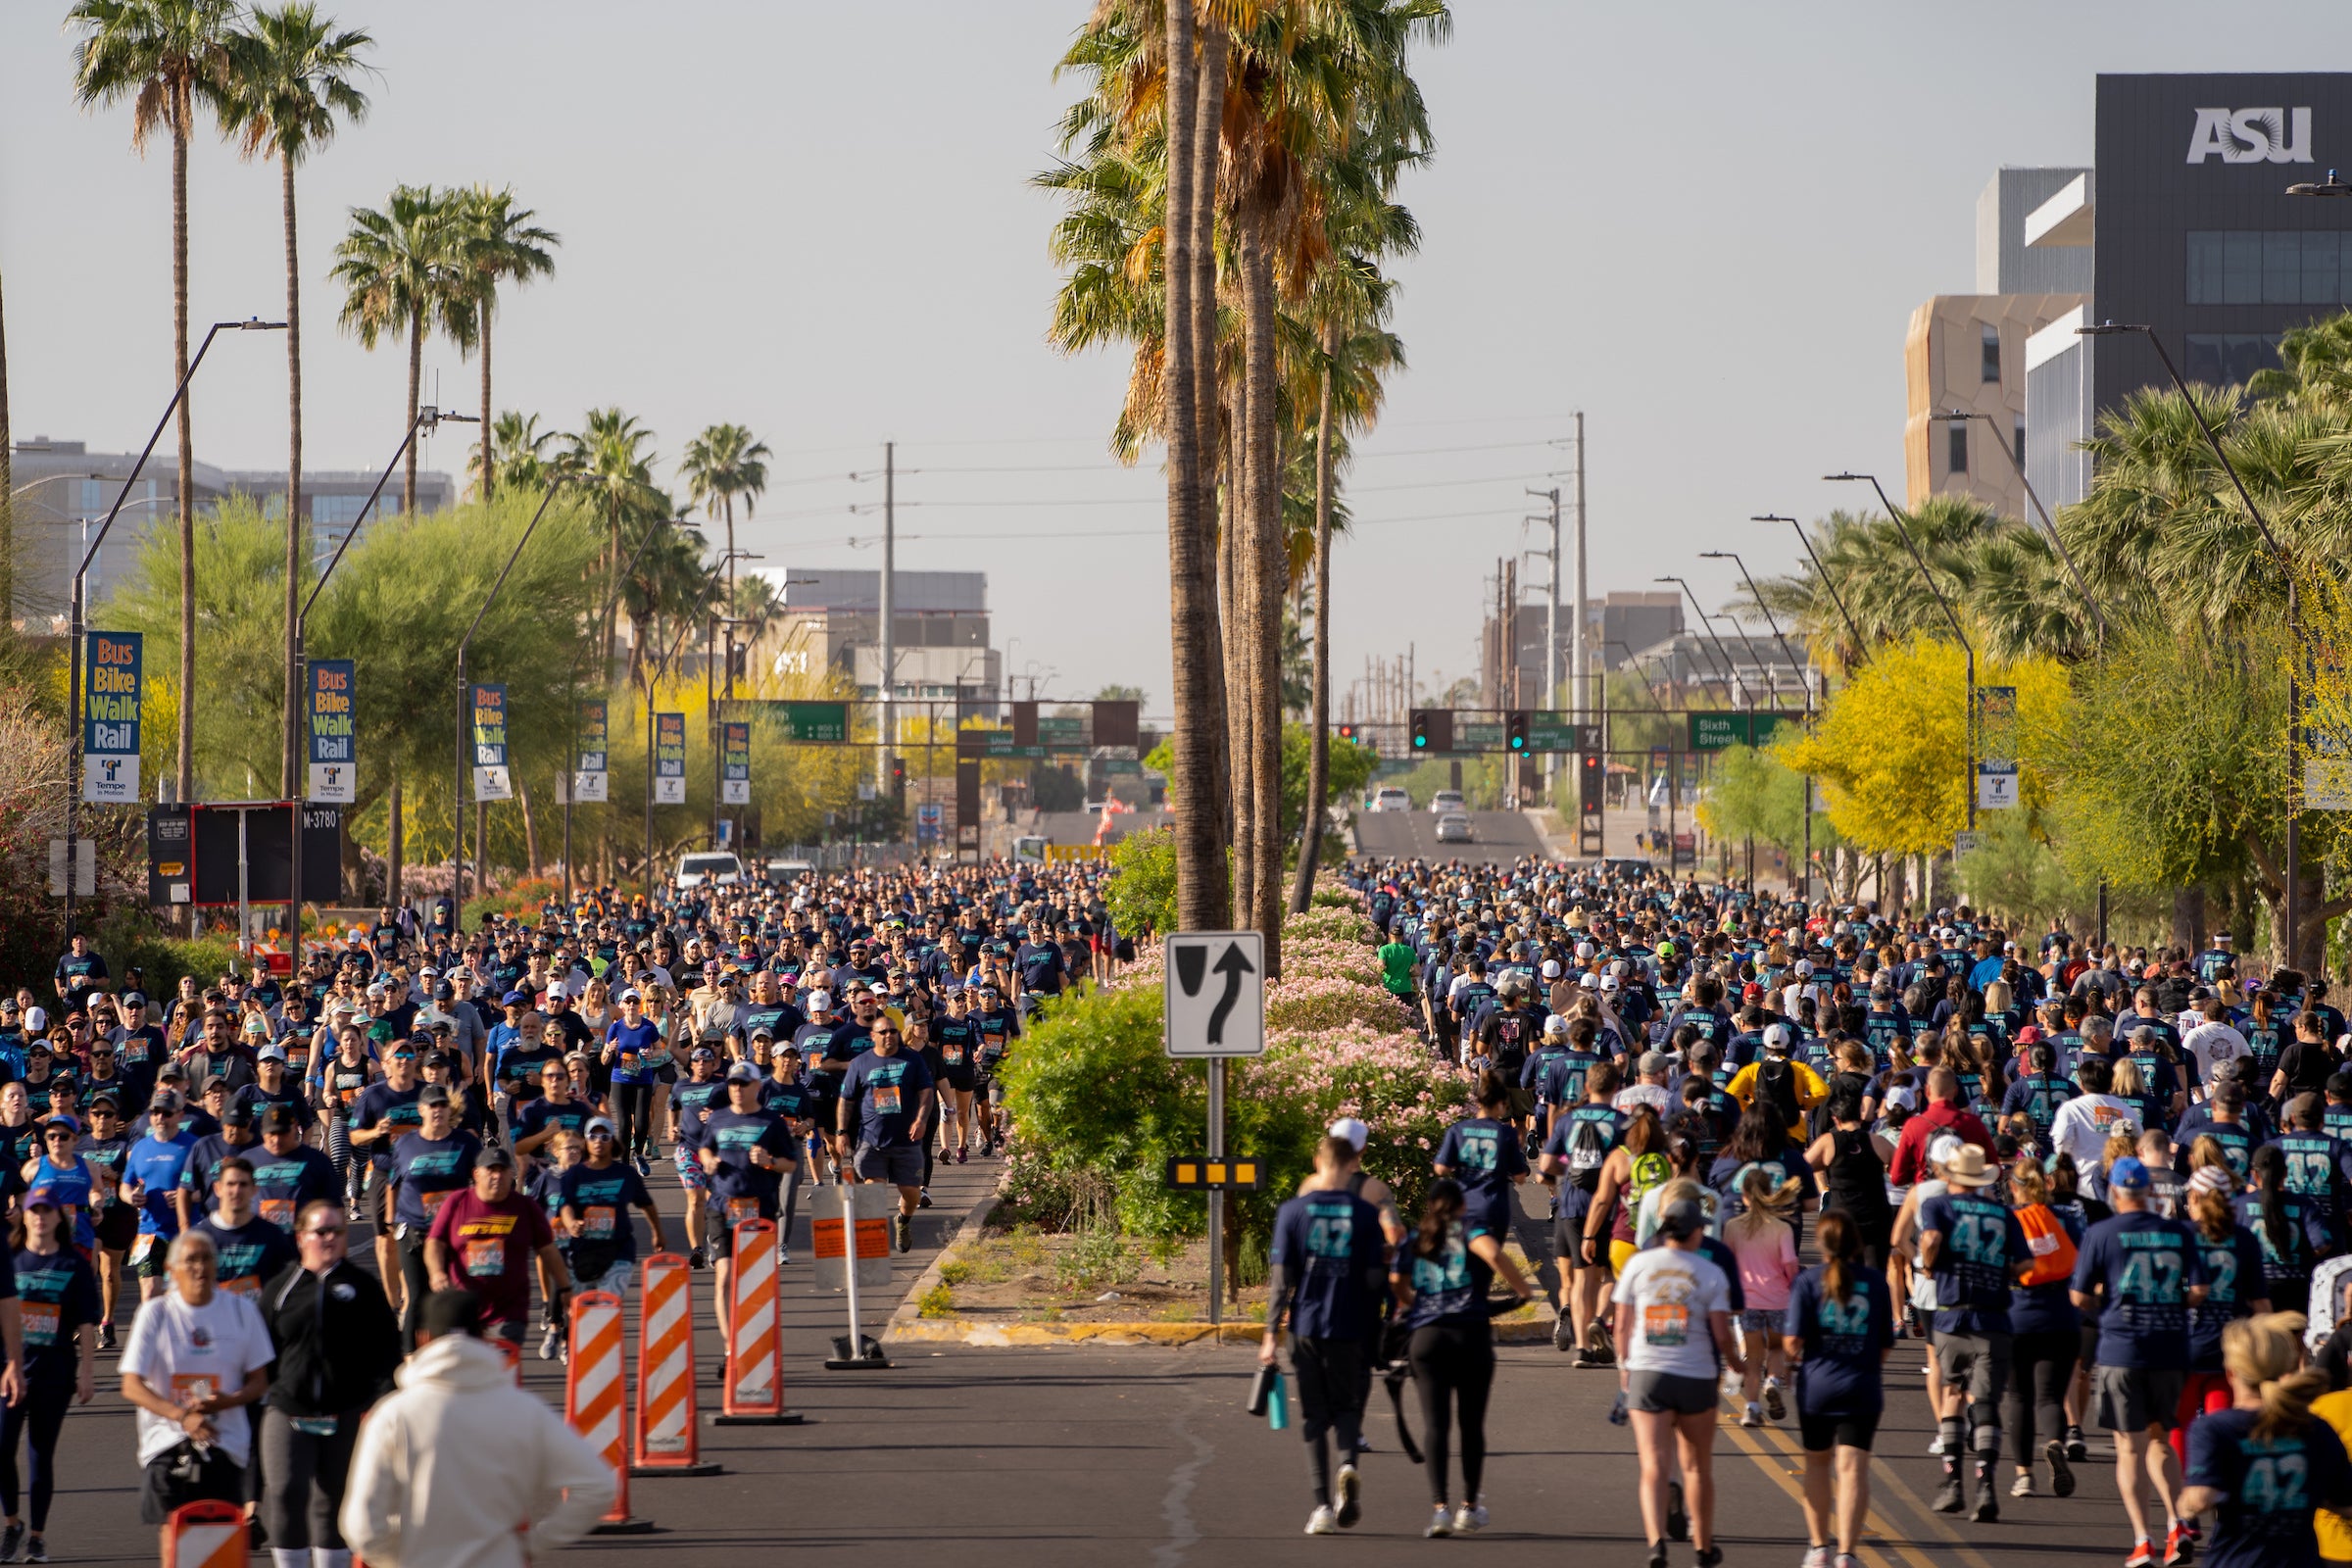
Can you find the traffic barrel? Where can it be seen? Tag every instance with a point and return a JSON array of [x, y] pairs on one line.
[[668, 1439], [205, 1535], [755, 1392], [596, 1404]]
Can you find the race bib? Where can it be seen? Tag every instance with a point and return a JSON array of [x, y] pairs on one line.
[[41, 1323], [951, 1053], [189, 1387], [432, 1204], [278, 1211], [249, 1286], [595, 1222], [1667, 1323], [886, 1099], [141, 1248], [485, 1258], [740, 1210]]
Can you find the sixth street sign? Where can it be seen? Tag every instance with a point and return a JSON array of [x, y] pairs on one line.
[[1216, 994]]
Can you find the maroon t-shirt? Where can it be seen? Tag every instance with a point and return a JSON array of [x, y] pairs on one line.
[[490, 1250]]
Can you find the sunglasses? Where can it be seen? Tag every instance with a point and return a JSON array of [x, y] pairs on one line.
[[322, 1231]]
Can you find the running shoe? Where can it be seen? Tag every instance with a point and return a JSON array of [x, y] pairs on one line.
[[1753, 1416], [2077, 1450], [645, 1166], [1989, 1506], [35, 1549], [547, 1344], [1563, 1336], [700, 1257], [106, 1336], [2022, 1487], [906, 1236], [963, 1157], [1440, 1523], [923, 1198], [1678, 1518], [1817, 1557], [1470, 1518], [1773, 1405], [2179, 1547], [1349, 1509], [12, 1544], [1949, 1497], [2142, 1556], [2062, 1474], [1322, 1523], [1709, 1556], [1658, 1554], [783, 1256]]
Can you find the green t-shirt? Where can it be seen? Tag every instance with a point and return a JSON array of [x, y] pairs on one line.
[[1396, 959]]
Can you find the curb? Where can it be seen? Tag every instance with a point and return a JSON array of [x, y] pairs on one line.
[[908, 1326]]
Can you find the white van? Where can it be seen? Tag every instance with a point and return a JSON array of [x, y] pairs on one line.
[[718, 868]]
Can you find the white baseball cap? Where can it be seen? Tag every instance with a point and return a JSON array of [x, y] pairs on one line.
[[36, 1019], [820, 1001], [1551, 968], [1556, 1026], [1351, 1127]]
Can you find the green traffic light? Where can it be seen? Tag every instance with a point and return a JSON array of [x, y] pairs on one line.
[[1420, 740]]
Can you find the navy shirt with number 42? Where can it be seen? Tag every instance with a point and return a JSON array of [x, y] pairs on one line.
[[2269, 1486], [1983, 1244], [2142, 1265], [888, 1091], [1845, 1342], [1483, 1154], [1332, 1254]]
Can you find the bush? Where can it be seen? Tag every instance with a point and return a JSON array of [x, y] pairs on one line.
[[1317, 1003], [1333, 898], [1326, 922], [1140, 891]]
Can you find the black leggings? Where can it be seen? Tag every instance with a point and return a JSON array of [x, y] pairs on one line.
[[1331, 1400], [2042, 1365], [1453, 1361], [633, 1119], [41, 1414]]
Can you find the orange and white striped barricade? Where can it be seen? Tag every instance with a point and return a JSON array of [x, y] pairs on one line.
[[754, 1393], [205, 1535], [668, 1439], [596, 1399]]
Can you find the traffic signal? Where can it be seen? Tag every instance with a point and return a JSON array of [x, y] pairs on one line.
[[898, 778], [1590, 782], [1348, 732], [1514, 730], [1432, 729]]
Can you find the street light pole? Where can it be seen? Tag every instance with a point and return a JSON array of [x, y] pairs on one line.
[[1861, 648], [428, 419], [1708, 628], [2294, 610], [2090, 601], [456, 798], [74, 616], [1950, 618], [1805, 888]]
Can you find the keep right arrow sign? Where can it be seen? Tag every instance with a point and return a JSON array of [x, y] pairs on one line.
[[1216, 994]]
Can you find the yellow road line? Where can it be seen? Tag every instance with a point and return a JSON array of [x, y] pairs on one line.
[[1796, 1493], [1927, 1515], [1875, 1522]]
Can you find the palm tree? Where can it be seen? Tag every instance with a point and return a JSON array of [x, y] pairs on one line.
[[290, 80], [521, 452], [166, 57], [401, 271], [498, 241], [722, 462], [608, 458]]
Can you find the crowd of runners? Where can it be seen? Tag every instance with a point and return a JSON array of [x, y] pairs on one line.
[[2109, 1190], [184, 1174]]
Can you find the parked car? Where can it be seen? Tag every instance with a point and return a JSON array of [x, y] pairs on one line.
[[783, 873], [1390, 799], [1445, 801], [718, 868], [1454, 828]]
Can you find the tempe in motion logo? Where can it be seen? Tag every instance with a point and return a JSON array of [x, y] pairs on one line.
[[2251, 136], [1216, 994]]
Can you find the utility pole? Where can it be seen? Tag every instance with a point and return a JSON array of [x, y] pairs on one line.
[[887, 737], [1551, 626]]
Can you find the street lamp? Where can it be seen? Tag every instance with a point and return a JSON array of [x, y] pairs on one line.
[[2295, 608], [1861, 648], [428, 419], [74, 617], [1961, 417], [571, 761], [653, 680], [1707, 627], [2330, 186], [1950, 618], [1733, 556], [457, 796]]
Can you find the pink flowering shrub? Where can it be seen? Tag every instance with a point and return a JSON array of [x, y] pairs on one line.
[[1315, 1004]]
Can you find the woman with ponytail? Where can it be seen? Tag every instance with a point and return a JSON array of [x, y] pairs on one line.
[[2265, 1465], [1840, 1328], [2234, 1289], [2292, 1232]]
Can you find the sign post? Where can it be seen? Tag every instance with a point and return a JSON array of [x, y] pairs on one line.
[[1214, 1006]]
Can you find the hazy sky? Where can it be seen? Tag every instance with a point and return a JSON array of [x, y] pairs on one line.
[[1705, 225]]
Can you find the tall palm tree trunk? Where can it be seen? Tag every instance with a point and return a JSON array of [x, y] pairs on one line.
[[1207, 131], [182, 111], [8, 511], [489, 471], [1216, 508], [408, 478], [1241, 713], [393, 844], [293, 748], [1266, 576], [1199, 869], [1318, 743]]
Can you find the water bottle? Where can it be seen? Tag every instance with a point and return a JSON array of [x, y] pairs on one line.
[[1617, 1410]]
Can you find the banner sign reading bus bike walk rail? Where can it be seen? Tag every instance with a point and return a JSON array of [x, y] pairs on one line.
[[588, 782], [735, 763], [669, 758], [487, 706], [330, 724], [112, 673]]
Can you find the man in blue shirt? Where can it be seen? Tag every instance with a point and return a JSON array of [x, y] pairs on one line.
[[1974, 1248], [151, 1179], [1329, 1263], [2140, 1273], [891, 1092]]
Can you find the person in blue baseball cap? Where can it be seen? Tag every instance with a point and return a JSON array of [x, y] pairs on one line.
[[2140, 1273]]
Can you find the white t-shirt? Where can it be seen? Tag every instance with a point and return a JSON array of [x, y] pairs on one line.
[[2213, 1043], [1671, 1293], [2085, 1123], [175, 1348]]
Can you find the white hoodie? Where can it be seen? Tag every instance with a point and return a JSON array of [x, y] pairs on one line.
[[512, 1463]]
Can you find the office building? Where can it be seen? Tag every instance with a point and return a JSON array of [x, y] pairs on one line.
[[62, 491], [2191, 232], [832, 620]]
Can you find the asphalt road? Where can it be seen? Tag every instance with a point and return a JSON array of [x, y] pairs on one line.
[[1497, 836], [1034, 1459]]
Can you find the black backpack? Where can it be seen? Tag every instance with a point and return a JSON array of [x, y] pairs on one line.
[[1776, 1086]]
